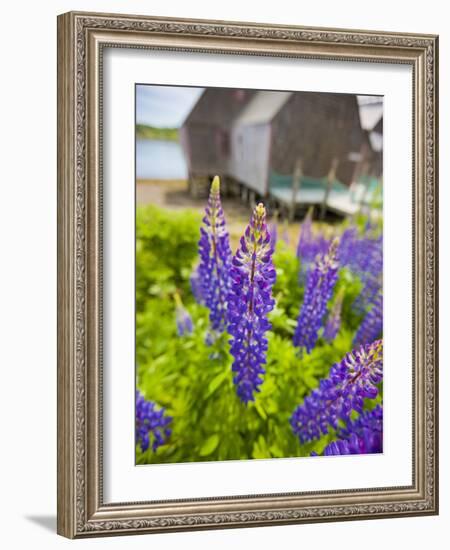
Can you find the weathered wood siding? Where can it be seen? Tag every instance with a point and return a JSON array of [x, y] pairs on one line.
[[317, 128], [206, 148], [250, 151], [205, 134]]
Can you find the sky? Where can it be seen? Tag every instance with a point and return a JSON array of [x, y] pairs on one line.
[[164, 106]]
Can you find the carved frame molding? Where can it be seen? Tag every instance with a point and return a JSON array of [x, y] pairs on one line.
[[81, 39]]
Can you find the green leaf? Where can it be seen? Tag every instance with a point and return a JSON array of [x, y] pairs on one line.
[[216, 382], [291, 323], [260, 448], [271, 407], [209, 446], [261, 411], [276, 451], [310, 380]]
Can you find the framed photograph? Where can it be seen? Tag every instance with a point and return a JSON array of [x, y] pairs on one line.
[[247, 274]]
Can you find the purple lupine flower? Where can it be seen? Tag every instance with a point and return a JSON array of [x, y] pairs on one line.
[[372, 286], [368, 427], [372, 279], [320, 281], [333, 323], [364, 256], [361, 436], [372, 325], [306, 236], [151, 424], [350, 381], [339, 447], [309, 246], [215, 259], [347, 245], [273, 234], [183, 319], [196, 286], [249, 302], [368, 226]]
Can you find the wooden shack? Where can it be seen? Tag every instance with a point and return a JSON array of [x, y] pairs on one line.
[[258, 138], [283, 127]]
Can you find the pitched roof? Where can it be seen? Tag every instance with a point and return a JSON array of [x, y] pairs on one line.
[[218, 106], [262, 107], [370, 114]]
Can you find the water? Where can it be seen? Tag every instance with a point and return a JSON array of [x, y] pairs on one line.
[[159, 159]]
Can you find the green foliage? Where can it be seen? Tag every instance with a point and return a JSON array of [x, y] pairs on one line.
[[351, 286], [287, 292], [166, 247], [193, 381]]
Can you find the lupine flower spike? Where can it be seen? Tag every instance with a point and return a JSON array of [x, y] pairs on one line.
[[305, 236], [333, 323], [320, 282], [273, 230], [273, 234], [196, 286], [249, 302], [364, 256], [183, 319], [348, 248], [152, 426], [372, 324], [215, 260], [309, 245], [352, 380], [361, 436]]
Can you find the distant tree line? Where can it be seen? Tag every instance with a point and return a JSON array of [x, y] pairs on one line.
[[151, 132]]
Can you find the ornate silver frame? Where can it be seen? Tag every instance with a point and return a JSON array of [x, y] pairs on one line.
[[81, 38]]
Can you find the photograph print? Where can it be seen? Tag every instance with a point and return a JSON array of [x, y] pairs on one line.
[[259, 274]]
